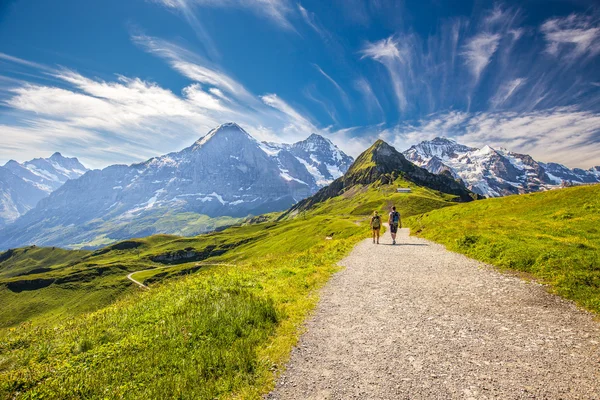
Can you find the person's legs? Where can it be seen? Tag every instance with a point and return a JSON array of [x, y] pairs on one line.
[[377, 233], [374, 233]]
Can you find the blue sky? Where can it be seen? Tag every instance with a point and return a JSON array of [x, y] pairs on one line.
[[117, 81]]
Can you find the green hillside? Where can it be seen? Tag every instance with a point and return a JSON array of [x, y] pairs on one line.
[[220, 330], [552, 236]]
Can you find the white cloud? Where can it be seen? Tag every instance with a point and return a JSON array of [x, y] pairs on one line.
[[276, 11], [572, 37], [478, 52], [394, 58], [192, 66], [505, 91], [299, 123], [9, 58], [309, 19], [310, 92], [371, 101], [341, 91], [382, 50]]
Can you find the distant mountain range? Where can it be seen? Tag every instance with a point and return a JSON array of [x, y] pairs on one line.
[[22, 186], [226, 173], [495, 172]]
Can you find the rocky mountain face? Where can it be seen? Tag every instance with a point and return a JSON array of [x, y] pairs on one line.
[[22, 186], [382, 162], [319, 156], [495, 172], [47, 174], [225, 173]]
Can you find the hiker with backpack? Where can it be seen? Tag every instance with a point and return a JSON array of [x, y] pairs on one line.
[[394, 221], [376, 226]]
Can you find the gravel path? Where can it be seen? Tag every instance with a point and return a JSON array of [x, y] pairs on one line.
[[415, 321]]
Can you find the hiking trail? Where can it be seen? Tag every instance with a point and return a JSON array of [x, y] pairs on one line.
[[415, 321]]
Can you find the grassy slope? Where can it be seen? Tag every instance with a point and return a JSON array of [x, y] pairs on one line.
[[362, 200], [553, 236], [221, 331], [218, 331]]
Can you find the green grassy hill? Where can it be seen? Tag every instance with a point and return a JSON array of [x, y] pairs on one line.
[[219, 331], [552, 236]]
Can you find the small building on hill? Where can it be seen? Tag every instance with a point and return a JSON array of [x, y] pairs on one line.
[[403, 190]]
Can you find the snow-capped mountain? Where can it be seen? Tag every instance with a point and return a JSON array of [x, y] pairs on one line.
[[495, 172], [23, 185], [16, 197], [323, 160], [47, 174], [225, 173]]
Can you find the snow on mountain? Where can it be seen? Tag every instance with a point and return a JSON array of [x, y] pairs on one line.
[[494, 172], [47, 174], [225, 173], [323, 160], [23, 185], [16, 196]]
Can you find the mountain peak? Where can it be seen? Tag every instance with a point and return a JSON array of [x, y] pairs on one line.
[[316, 138], [442, 140], [227, 130], [56, 155]]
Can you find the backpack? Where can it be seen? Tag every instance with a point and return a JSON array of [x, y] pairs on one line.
[[396, 218], [376, 221]]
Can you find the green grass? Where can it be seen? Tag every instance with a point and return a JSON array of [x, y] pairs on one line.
[[220, 331], [552, 236], [201, 331], [362, 200]]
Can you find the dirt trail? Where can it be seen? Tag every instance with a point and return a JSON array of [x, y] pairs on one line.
[[142, 286], [415, 321]]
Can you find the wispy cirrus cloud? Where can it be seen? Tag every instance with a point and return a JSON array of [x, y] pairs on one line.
[[389, 53], [342, 92], [277, 11], [310, 19], [572, 37], [505, 91], [370, 99], [192, 65], [478, 52], [299, 120]]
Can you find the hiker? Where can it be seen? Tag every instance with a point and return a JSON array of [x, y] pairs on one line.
[[394, 221], [376, 226]]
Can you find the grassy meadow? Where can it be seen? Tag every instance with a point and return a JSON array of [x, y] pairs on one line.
[[552, 236]]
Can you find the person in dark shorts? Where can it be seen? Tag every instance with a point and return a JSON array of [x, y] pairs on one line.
[[395, 223], [376, 226]]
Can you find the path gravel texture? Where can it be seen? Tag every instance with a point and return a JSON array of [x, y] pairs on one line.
[[415, 321]]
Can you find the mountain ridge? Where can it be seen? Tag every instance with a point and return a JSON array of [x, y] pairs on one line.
[[382, 162], [495, 172], [226, 174], [23, 185]]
